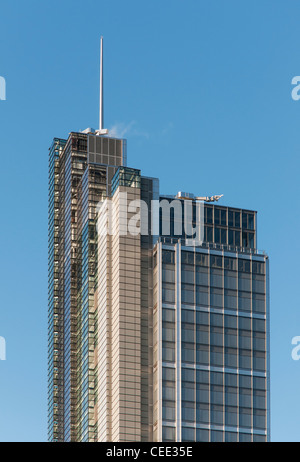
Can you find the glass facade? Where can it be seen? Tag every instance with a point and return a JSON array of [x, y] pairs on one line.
[[125, 176], [150, 338], [211, 345], [79, 178], [55, 329], [235, 228]]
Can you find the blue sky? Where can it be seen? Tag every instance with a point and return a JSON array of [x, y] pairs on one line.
[[202, 92]]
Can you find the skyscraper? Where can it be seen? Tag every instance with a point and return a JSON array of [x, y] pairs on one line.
[[153, 335]]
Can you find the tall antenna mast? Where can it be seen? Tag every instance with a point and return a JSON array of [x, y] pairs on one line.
[[101, 131], [101, 85]]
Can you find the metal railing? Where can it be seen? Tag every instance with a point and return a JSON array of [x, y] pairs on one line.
[[210, 245]]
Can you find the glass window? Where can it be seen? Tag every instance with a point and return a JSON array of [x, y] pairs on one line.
[[230, 263], [258, 283], [259, 419], [245, 339], [216, 356], [216, 415], [168, 315], [259, 399], [217, 216], [217, 235], [168, 332], [231, 357], [188, 316], [230, 321], [258, 267], [244, 301], [231, 416], [251, 243], [188, 333], [202, 413], [188, 294], [209, 218], [188, 375], [244, 265], [231, 380], [230, 339], [216, 262], [168, 256], [168, 293], [188, 352], [216, 336], [245, 381], [245, 417], [231, 437], [259, 363], [216, 277], [201, 296], [216, 378], [202, 335], [216, 319], [168, 374], [188, 434], [230, 280], [245, 359], [259, 383], [216, 297], [259, 341], [223, 236], [216, 436], [188, 411], [202, 435], [187, 257], [245, 397], [208, 233], [202, 354], [202, 393], [202, 376], [230, 300], [230, 218], [168, 275], [187, 274], [201, 259], [245, 437], [250, 221], [168, 352], [244, 282], [223, 217], [231, 396], [259, 439], [168, 433], [245, 242], [202, 317], [216, 394], [244, 323], [237, 219], [202, 276], [259, 325], [259, 304], [168, 412]]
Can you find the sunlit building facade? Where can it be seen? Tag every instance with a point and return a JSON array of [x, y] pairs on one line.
[[80, 173], [152, 337]]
